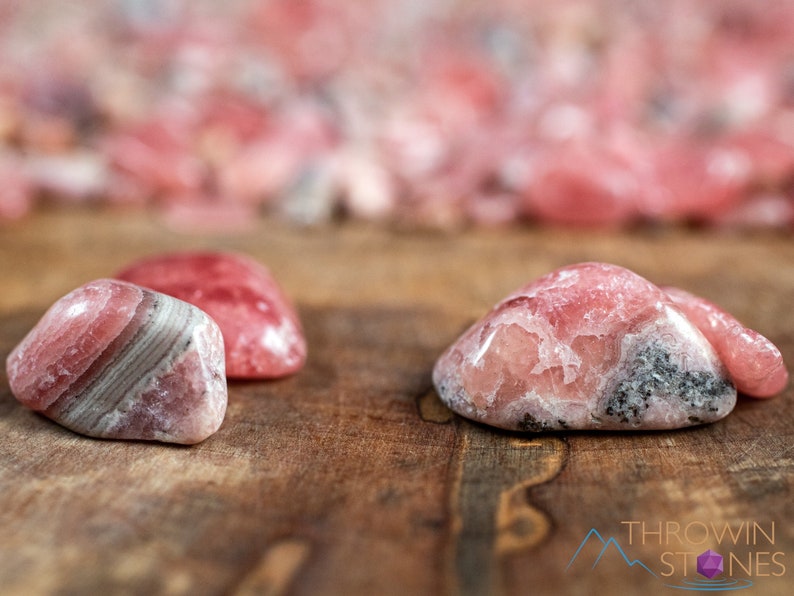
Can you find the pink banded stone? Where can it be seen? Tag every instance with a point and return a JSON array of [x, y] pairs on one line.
[[261, 329], [589, 346], [754, 363], [114, 360]]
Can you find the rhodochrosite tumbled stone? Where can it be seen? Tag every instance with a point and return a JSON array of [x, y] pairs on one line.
[[114, 360], [260, 327], [755, 364], [589, 346]]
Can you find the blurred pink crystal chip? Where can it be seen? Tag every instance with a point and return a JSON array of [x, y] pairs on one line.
[[114, 360], [592, 346], [261, 329]]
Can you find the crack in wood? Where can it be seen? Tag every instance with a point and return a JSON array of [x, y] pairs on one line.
[[491, 515]]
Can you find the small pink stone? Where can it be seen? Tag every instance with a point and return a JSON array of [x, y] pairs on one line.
[[697, 181], [589, 346], [754, 363], [261, 329], [114, 360], [581, 185], [16, 192]]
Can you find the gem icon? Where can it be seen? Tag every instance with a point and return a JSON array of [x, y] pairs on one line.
[[709, 563]]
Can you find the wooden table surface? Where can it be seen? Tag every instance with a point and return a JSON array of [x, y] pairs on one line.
[[351, 477]]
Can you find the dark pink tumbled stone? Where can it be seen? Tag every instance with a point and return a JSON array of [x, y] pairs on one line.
[[589, 346], [261, 329]]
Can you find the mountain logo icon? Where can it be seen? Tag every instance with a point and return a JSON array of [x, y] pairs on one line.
[[608, 545]]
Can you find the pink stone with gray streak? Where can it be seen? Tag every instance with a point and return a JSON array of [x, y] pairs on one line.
[[114, 360], [589, 346]]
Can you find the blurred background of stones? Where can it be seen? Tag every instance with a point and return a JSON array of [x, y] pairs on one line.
[[432, 113]]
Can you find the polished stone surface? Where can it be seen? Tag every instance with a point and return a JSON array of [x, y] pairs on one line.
[[589, 346], [754, 363], [114, 360], [260, 326]]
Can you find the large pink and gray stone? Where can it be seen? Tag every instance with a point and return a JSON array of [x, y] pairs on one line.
[[589, 346], [261, 329], [754, 363], [114, 360]]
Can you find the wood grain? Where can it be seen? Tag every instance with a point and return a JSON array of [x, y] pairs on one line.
[[351, 477]]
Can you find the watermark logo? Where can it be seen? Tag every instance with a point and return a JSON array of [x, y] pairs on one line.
[[607, 544], [746, 552], [710, 564]]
